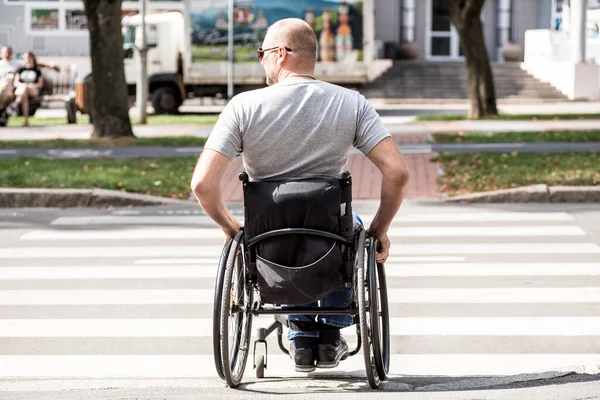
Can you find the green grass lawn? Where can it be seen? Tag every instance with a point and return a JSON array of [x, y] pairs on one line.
[[176, 119], [468, 173], [168, 177], [514, 137], [508, 117], [172, 141]]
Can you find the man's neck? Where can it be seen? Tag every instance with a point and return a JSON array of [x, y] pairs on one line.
[[299, 75]]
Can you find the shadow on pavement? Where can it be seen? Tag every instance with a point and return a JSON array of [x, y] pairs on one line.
[[327, 383]]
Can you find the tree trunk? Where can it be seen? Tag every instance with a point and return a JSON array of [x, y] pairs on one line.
[[110, 108], [465, 16]]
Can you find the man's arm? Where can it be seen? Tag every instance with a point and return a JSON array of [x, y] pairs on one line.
[[388, 159], [209, 172], [48, 65]]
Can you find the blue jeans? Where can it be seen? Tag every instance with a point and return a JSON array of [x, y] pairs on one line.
[[338, 298]]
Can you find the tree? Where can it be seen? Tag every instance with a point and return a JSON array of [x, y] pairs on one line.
[[465, 16], [110, 108]]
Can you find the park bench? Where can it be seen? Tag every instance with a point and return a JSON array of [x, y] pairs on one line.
[[59, 87]]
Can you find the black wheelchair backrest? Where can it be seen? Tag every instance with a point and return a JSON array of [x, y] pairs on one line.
[[293, 231]]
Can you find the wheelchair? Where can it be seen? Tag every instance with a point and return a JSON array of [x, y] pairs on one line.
[[295, 234]]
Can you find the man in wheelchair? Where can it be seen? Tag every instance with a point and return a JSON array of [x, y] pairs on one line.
[[300, 127]]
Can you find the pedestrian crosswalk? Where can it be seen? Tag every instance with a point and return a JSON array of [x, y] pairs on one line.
[[471, 292]]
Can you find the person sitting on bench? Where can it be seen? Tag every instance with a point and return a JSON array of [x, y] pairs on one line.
[[28, 84]]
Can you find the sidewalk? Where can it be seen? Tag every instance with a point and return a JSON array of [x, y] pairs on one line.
[[414, 131], [430, 127]]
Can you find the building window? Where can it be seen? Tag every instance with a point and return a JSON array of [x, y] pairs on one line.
[[75, 20], [67, 17], [44, 19]]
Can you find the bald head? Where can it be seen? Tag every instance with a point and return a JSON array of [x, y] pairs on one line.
[[6, 53], [297, 35]]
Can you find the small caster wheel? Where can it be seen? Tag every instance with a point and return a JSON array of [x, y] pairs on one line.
[[260, 367]]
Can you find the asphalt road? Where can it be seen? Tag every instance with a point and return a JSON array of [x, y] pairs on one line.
[[418, 148], [487, 301]]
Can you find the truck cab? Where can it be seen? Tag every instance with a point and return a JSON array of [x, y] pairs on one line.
[[165, 41]]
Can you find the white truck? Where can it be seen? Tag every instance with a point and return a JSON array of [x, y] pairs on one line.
[[187, 54]]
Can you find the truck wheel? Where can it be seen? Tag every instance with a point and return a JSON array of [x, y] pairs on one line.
[[3, 118], [165, 101]]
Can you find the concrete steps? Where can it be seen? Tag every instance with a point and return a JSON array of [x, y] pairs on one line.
[[448, 80]]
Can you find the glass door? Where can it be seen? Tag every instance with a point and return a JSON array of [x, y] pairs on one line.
[[443, 40]]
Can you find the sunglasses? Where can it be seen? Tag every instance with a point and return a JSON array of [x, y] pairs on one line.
[[261, 52]]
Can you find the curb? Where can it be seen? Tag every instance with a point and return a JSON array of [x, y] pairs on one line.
[[80, 198], [534, 194], [74, 198]]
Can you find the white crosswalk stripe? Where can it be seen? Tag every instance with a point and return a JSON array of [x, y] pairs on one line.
[[157, 327], [45, 275], [202, 261], [395, 296], [196, 233], [187, 251], [205, 268]]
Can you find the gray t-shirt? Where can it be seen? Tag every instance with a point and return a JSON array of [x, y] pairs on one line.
[[296, 129]]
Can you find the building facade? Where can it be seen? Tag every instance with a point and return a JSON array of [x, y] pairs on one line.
[[58, 27], [426, 23]]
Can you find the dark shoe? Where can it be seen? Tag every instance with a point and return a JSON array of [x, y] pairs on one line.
[[301, 351], [332, 348]]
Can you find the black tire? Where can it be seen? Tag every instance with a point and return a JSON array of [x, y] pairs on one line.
[[260, 367], [363, 311], [235, 307], [166, 100], [217, 308], [378, 313], [71, 112], [3, 118]]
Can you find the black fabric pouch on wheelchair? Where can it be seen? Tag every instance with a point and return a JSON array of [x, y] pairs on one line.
[[297, 269]]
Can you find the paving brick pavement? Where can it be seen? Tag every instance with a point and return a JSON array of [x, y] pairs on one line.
[[366, 178]]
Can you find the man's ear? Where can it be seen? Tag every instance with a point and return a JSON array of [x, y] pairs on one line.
[[282, 55]]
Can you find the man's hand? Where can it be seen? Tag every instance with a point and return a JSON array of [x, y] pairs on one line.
[[232, 229], [383, 252]]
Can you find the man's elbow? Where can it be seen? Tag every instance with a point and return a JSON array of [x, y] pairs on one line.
[[199, 186], [399, 177]]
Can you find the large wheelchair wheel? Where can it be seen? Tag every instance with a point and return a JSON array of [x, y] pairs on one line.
[[235, 316], [364, 321], [217, 308], [373, 321], [378, 312]]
